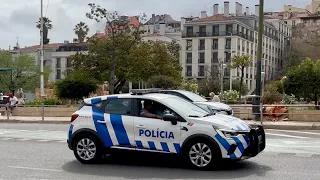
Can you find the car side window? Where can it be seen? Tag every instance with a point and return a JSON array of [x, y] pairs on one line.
[[118, 106]]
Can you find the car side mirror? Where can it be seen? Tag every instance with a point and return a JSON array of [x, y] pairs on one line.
[[170, 117]]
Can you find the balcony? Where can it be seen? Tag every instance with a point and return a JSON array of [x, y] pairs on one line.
[[220, 33]]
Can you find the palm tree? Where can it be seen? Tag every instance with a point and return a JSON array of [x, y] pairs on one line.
[[46, 26], [240, 62], [81, 30]]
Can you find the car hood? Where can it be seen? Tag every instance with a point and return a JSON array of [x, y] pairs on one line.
[[223, 122], [216, 105]]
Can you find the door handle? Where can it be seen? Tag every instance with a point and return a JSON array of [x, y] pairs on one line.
[[102, 122], [141, 126]]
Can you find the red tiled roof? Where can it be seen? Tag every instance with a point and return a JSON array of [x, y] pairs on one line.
[[218, 17]]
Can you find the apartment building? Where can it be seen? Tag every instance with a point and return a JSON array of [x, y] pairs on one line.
[[210, 41]]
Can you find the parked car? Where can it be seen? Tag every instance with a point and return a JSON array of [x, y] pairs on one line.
[[217, 107]]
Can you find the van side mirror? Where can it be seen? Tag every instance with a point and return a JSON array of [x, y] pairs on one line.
[[170, 117]]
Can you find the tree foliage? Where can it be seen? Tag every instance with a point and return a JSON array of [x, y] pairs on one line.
[[240, 62], [81, 30], [75, 86], [304, 80], [25, 74], [46, 27], [163, 82]]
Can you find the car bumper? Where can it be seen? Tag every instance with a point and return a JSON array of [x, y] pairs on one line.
[[69, 144], [257, 139]]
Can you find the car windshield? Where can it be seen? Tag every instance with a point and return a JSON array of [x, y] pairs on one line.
[[193, 96], [186, 107]]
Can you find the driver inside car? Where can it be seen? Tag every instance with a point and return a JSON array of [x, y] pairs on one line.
[[146, 111]]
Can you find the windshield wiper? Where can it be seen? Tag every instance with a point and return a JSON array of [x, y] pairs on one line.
[[195, 116], [208, 115]]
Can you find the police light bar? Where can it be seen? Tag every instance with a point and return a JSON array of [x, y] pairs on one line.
[[144, 91]]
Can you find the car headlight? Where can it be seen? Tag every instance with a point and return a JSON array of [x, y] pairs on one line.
[[227, 133]]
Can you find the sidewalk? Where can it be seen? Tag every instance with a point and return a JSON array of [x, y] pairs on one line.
[[284, 125]]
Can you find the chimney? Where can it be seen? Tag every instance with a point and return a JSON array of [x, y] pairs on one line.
[[215, 9], [226, 8], [247, 11], [240, 9], [203, 14], [257, 10], [183, 22]]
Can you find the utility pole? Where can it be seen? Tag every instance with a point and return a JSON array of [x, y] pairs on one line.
[[256, 108], [41, 55]]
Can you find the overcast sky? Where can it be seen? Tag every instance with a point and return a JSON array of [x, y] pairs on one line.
[[18, 17]]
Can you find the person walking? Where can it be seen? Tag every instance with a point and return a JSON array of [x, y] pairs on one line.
[[214, 97]]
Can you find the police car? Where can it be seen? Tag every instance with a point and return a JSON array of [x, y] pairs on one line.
[[200, 138]]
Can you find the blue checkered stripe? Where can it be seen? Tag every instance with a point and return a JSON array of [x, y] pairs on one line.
[[160, 146], [242, 142]]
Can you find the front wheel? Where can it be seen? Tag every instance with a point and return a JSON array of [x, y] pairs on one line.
[[201, 154], [87, 149]]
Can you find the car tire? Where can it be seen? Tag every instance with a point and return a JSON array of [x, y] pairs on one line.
[[192, 155], [88, 149]]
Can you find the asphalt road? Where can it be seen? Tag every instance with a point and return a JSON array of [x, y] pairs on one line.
[[39, 151]]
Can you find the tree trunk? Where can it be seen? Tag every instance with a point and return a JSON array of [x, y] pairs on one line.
[[241, 82], [119, 85]]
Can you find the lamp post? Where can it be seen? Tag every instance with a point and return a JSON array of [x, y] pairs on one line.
[[41, 54], [223, 66], [262, 83]]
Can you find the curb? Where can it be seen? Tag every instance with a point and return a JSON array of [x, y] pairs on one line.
[[34, 122], [289, 127]]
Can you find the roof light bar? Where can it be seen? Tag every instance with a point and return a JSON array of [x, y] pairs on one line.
[[144, 91]]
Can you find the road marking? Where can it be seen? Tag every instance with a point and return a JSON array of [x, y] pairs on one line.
[[24, 139], [31, 168], [284, 135], [62, 141], [23, 130], [302, 132], [43, 140], [6, 139]]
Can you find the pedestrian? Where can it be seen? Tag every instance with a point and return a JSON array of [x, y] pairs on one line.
[[13, 101], [20, 96], [214, 97], [1, 97]]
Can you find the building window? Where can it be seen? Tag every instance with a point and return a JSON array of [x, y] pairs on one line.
[[189, 71], [215, 30], [58, 74], [201, 58], [293, 23], [189, 45], [228, 43], [190, 31], [68, 65], [58, 63], [215, 44], [201, 71], [229, 28], [214, 57], [202, 31], [202, 45], [228, 56], [189, 58]]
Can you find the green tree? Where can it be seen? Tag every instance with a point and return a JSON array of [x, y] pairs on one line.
[[304, 80], [75, 86], [46, 27], [163, 82], [26, 73], [81, 30], [240, 62], [121, 37]]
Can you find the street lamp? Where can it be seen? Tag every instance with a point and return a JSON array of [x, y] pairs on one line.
[[223, 66]]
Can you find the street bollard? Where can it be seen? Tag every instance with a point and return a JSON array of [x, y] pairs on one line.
[[42, 105], [7, 111]]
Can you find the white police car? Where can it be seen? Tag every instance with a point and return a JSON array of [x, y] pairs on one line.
[[200, 138]]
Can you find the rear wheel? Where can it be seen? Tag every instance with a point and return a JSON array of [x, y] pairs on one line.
[[87, 149], [201, 154]]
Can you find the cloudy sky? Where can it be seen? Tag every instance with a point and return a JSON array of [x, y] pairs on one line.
[[18, 17]]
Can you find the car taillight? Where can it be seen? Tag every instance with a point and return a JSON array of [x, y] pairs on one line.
[[74, 117]]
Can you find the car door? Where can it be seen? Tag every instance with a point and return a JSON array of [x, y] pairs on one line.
[[156, 134], [117, 122]]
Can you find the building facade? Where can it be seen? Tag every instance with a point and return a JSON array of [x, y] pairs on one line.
[[209, 42]]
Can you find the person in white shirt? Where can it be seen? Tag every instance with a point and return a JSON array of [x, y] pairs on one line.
[[12, 102], [214, 97]]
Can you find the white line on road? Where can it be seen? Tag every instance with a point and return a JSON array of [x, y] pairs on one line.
[[6, 139], [24, 139], [43, 140], [302, 132], [31, 168], [284, 135]]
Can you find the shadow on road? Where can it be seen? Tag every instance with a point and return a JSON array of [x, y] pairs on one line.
[[136, 166]]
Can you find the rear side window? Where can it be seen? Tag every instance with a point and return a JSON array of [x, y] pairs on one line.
[[118, 106]]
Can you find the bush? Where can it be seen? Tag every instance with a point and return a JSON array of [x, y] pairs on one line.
[[163, 82], [229, 96], [45, 102], [74, 89], [289, 99], [189, 85]]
